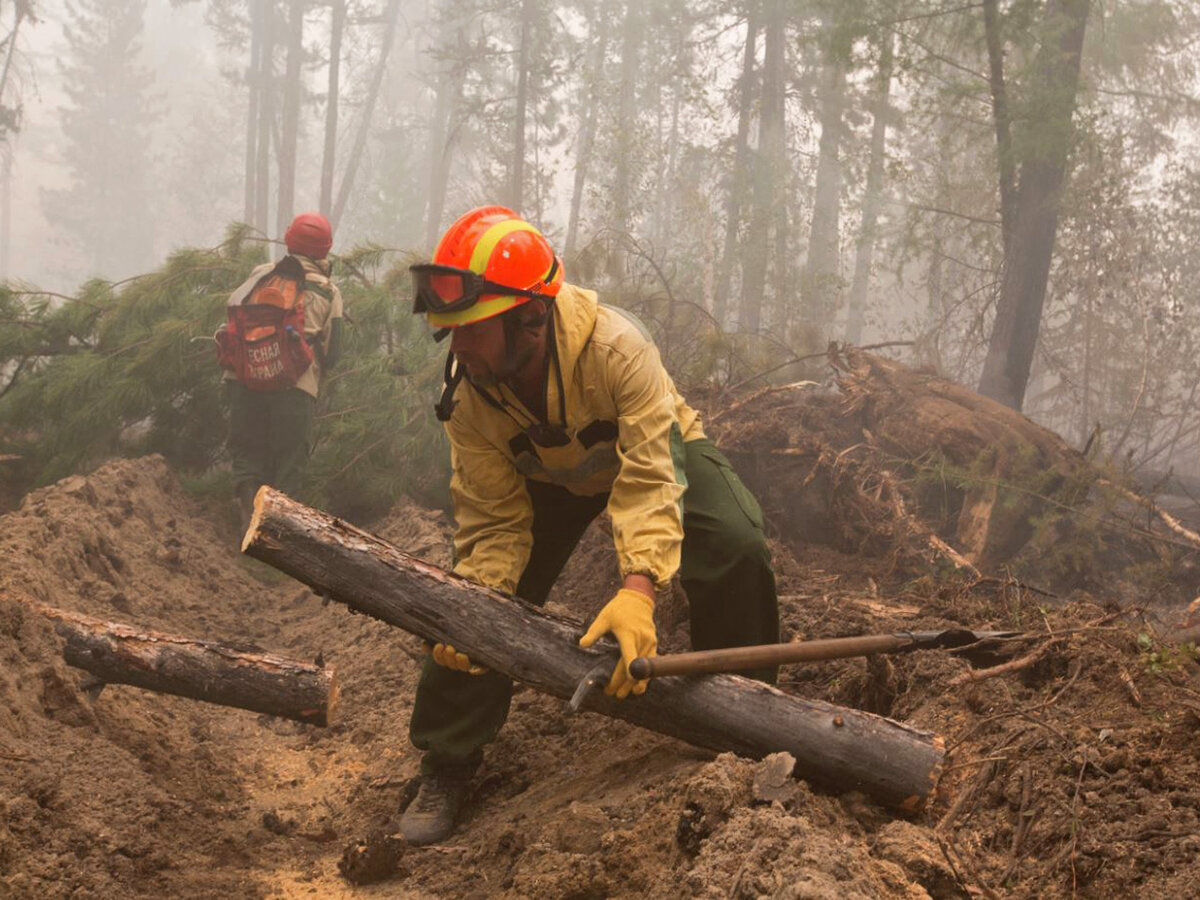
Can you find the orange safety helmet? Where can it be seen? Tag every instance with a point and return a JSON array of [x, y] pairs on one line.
[[486, 253]]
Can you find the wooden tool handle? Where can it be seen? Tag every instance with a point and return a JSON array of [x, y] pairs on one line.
[[735, 659]]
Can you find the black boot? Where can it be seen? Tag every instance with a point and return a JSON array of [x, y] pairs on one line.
[[434, 812]]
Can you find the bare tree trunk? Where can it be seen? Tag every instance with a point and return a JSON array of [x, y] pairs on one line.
[[253, 83], [768, 170], [1043, 172], [516, 166], [290, 127], [199, 670], [626, 127], [820, 285], [740, 180], [441, 141], [337, 25], [872, 194], [1001, 118], [587, 134], [364, 126], [266, 114], [6, 182]]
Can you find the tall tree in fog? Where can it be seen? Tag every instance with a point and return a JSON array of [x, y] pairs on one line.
[[106, 128], [10, 123], [1042, 150], [739, 178], [873, 190], [289, 129], [591, 92], [770, 163], [821, 282]]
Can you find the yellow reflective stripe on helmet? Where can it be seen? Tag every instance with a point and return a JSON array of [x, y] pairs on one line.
[[490, 238], [484, 309]]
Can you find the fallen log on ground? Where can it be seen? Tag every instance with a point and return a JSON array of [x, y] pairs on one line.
[[200, 670], [842, 748]]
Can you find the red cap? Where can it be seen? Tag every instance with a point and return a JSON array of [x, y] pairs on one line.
[[310, 234]]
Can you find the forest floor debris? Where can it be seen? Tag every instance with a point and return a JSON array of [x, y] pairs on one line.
[[1076, 772]]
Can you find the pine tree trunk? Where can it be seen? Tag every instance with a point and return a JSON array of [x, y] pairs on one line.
[[768, 171], [337, 25], [587, 134], [740, 180], [290, 126], [266, 114], [1054, 84], [1001, 118], [516, 165], [872, 195], [441, 141], [820, 285], [6, 184], [364, 126], [846, 748], [253, 83], [626, 129]]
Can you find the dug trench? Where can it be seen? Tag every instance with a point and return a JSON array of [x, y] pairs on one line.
[[1074, 770]]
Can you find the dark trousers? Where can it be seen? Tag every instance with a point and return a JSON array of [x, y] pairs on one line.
[[268, 439], [725, 570]]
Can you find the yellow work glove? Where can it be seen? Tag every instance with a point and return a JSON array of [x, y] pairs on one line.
[[629, 616], [446, 655]]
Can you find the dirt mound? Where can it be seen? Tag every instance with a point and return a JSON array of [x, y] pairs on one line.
[[1076, 770]]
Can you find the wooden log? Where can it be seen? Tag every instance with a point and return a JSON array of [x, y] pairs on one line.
[[843, 748], [200, 670]]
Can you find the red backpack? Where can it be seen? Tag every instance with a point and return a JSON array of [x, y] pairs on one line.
[[262, 341]]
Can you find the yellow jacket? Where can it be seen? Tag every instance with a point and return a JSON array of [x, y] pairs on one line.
[[627, 425]]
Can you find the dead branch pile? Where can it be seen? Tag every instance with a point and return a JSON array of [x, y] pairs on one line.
[[901, 461]]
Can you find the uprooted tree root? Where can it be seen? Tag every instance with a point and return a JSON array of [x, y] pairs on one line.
[[899, 463]]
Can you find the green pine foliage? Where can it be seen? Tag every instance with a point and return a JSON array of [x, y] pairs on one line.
[[130, 368]]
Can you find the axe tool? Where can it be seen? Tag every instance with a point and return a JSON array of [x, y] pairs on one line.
[[736, 659]]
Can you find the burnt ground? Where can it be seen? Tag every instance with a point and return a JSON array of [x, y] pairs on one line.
[[1077, 773]]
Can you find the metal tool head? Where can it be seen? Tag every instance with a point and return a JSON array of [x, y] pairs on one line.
[[596, 677]]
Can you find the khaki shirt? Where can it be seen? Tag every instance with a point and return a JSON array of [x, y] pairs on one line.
[[319, 313], [627, 424]]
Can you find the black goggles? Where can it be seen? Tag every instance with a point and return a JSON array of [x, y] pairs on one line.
[[445, 289]]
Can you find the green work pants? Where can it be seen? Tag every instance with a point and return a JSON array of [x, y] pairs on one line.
[[725, 570], [268, 438]]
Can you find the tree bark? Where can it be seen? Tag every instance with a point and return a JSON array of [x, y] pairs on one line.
[[740, 179], [627, 126], [441, 140], [845, 748], [821, 284], [516, 166], [337, 25], [198, 670], [1055, 80], [290, 126], [364, 126], [587, 134], [255, 89], [768, 170], [872, 195], [1001, 118], [266, 114]]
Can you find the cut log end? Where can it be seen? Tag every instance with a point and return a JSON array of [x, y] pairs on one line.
[[256, 517]]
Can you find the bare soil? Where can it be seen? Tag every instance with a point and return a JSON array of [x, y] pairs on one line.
[[1075, 774]]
